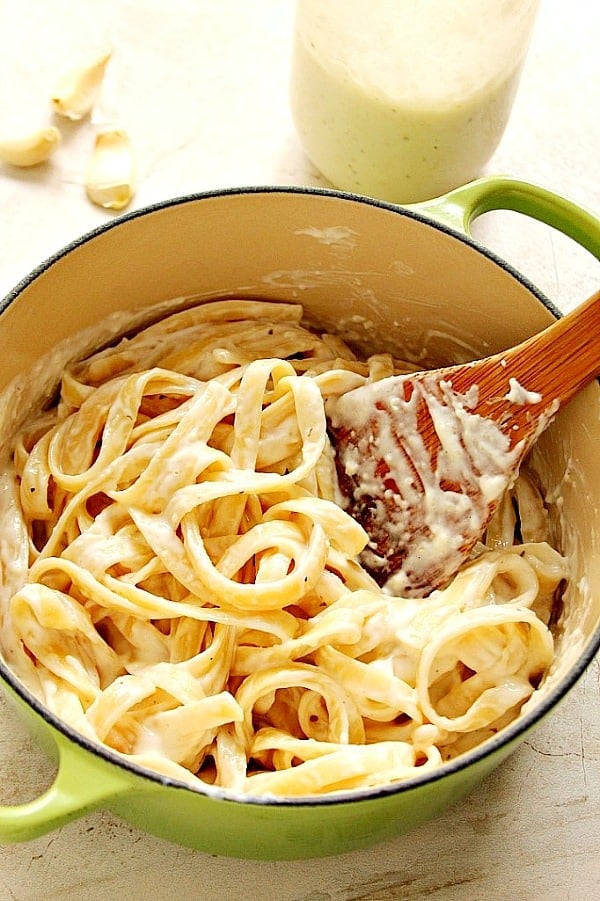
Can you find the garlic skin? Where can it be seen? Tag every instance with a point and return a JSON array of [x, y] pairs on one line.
[[78, 90], [109, 181], [30, 148]]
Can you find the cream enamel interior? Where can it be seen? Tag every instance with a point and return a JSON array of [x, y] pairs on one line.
[[384, 279]]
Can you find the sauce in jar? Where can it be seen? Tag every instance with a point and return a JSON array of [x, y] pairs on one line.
[[405, 100]]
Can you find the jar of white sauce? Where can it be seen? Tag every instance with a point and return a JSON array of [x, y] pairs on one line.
[[405, 99]]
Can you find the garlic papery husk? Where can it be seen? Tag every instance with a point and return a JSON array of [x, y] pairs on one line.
[[78, 90], [31, 147], [109, 180]]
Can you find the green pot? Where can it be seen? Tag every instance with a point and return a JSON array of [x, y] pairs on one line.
[[387, 272]]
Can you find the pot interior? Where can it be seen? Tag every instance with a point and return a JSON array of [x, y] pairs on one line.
[[382, 278]]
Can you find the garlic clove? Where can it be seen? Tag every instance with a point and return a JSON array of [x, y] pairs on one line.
[[77, 91], [30, 148], [109, 180]]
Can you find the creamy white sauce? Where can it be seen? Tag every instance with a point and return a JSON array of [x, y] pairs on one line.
[[403, 100], [416, 514], [517, 394], [335, 235]]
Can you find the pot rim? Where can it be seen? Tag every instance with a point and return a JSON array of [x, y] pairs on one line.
[[509, 734]]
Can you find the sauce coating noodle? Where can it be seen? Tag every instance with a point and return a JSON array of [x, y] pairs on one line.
[[189, 586]]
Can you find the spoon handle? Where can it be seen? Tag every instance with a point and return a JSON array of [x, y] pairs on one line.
[[521, 389], [562, 359]]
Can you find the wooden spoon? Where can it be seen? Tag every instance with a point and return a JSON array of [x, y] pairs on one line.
[[425, 458]]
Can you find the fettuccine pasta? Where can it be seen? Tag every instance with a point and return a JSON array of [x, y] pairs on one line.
[[191, 593]]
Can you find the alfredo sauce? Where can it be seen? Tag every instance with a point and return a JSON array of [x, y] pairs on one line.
[[404, 100]]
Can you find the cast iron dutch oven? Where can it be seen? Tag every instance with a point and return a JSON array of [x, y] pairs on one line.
[[405, 279]]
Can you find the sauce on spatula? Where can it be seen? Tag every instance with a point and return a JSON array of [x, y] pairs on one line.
[[424, 458]]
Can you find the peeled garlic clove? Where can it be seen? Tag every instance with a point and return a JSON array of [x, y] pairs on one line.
[[78, 90], [109, 180], [30, 148]]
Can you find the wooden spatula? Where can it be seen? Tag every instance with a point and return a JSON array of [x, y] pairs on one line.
[[424, 458]]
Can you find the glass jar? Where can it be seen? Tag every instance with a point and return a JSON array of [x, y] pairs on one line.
[[405, 99]]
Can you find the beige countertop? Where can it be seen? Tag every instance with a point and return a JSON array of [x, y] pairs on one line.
[[202, 88]]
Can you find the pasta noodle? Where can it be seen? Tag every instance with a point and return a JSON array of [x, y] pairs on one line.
[[190, 592]]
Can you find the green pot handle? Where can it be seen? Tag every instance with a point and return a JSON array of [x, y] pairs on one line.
[[81, 785], [460, 207]]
